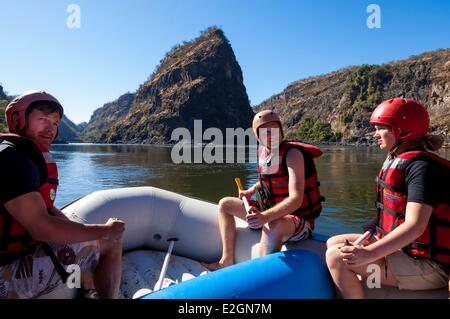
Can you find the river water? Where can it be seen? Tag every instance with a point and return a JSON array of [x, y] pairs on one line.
[[346, 175]]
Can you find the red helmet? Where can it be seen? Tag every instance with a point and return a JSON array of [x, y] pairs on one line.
[[407, 117], [20, 105]]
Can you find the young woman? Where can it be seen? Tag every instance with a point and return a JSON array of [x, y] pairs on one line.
[[412, 245]]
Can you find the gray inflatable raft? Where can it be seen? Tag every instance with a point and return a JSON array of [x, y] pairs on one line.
[[154, 215]]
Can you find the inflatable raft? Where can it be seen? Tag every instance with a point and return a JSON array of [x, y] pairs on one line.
[[154, 215]]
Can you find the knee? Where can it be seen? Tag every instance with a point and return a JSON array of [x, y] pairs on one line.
[[333, 257], [225, 204], [332, 241]]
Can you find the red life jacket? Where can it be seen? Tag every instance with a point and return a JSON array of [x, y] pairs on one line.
[[392, 198], [15, 241], [274, 180], [48, 190]]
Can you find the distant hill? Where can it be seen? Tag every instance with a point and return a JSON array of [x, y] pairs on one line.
[[68, 131], [200, 79], [2, 94], [4, 100], [337, 106], [82, 126], [106, 117]]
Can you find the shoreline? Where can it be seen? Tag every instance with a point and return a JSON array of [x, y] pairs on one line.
[[356, 144], [353, 144]]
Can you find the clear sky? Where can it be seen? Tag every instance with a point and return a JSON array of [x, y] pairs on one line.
[[119, 43]]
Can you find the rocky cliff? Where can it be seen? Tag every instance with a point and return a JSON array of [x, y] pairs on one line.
[[2, 94], [337, 106], [3, 103], [68, 131], [198, 80], [106, 117]]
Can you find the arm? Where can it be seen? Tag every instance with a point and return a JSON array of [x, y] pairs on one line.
[[416, 220], [296, 170], [255, 187], [249, 192], [420, 181], [29, 210], [58, 213]]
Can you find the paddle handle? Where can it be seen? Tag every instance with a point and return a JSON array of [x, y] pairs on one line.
[[246, 204], [159, 283], [362, 238], [244, 199], [359, 240]]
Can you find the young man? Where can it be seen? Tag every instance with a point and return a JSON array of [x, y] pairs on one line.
[[37, 241], [287, 191]]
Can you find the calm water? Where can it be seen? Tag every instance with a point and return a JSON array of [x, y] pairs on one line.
[[346, 174]]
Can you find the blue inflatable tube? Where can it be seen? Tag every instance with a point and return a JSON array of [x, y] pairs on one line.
[[291, 274]]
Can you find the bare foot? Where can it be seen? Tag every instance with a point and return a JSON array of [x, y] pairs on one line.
[[213, 266]]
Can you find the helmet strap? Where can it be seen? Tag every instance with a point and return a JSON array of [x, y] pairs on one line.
[[394, 149]]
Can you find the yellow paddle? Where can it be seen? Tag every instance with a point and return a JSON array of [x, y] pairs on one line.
[[239, 184]]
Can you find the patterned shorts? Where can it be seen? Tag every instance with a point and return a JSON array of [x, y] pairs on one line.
[[302, 229], [34, 275]]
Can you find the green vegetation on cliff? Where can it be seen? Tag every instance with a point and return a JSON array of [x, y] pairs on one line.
[[312, 129], [3, 127], [365, 88], [366, 84], [3, 103]]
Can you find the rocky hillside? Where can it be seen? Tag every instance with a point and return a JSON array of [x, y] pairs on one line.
[[3, 103], [68, 131], [2, 94], [105, 117], [337, 106], [200, 80], [82, 126]]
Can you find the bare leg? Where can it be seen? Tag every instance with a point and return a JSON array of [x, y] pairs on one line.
[[346, 279], [275, 234], [108, 273], [228, 208], [87, 280]]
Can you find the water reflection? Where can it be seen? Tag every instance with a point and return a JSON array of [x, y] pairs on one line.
[[346, 174]]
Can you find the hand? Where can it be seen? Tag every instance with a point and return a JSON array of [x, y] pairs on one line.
[[247, 193], [255, 219], [115, 229], [355, 256]]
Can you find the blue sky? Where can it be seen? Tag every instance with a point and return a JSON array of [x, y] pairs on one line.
[[120, 43]]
